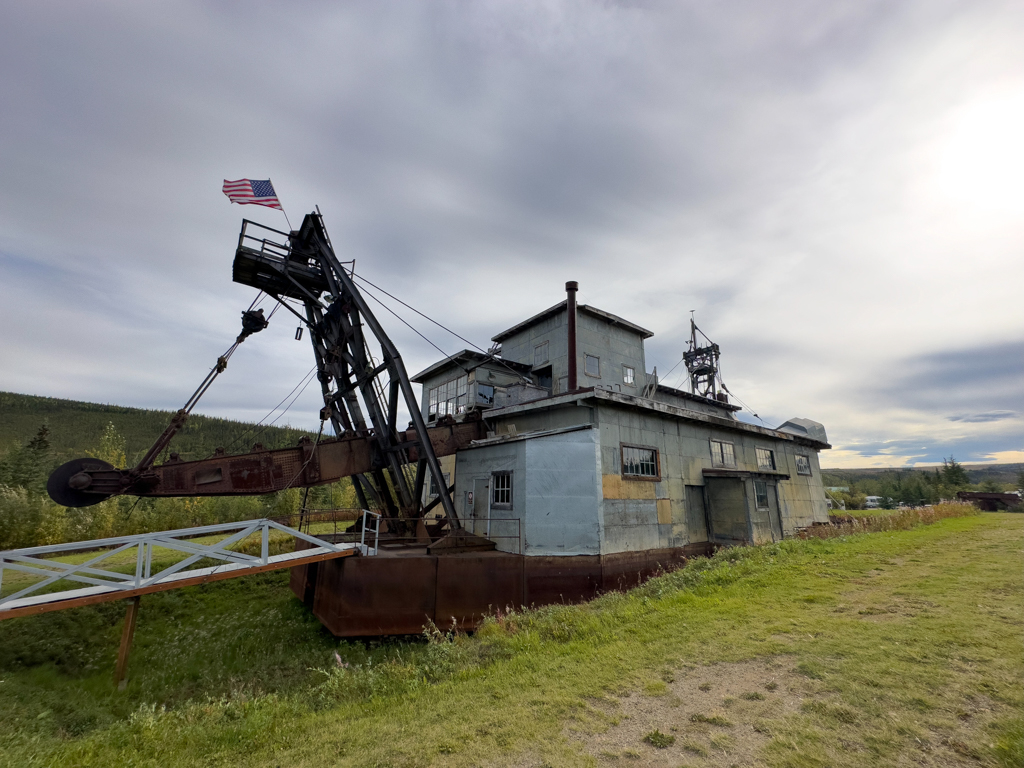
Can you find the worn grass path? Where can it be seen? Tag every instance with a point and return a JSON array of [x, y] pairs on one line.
[[900, 648]]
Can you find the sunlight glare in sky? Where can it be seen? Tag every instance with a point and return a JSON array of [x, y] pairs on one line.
[[981, 162]]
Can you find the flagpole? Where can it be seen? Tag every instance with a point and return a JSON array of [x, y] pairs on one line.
[[282, 205]]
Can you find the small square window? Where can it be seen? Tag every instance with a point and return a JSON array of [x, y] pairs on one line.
[[803, 465], [640, 462], [761, 494], [628, 375], [540, 354], [765, 459], [501, 490], [434, 491], [722, 454], [592, 366]]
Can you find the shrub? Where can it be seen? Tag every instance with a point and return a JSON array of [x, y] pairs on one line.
[[660, 740]]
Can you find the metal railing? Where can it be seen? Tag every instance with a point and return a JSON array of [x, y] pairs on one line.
[[38, 561], [376, 533], [261, 242]]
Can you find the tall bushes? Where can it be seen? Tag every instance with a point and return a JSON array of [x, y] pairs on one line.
[[28, 517]]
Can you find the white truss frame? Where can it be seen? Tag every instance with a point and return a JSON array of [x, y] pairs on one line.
[[37, 560]]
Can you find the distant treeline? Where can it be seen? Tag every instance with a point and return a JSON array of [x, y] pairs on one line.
[[920, 486], [38, 434]]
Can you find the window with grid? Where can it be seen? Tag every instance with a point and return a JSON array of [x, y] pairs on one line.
[[628, 375], [765, 459], [761, 494], [722, 454], [501, 490], [639, 462], [803, 465], [448, 398]]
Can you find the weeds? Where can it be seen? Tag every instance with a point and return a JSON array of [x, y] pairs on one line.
[[694, 748], [719, 720], [660, 740], [896, 520]]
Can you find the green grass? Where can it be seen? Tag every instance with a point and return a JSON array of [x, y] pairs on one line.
[[912, 638]]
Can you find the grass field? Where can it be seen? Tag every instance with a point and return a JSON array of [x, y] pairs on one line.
[[890, 648]]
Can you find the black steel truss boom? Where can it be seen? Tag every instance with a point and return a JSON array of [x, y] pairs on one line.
[[306, 268]]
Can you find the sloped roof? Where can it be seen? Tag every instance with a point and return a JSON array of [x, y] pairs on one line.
[[608, 317], [467, 359]]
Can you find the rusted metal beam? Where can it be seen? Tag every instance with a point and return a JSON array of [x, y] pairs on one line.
[[258, 472], [127, 636]]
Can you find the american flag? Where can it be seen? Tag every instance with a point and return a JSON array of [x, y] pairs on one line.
[[252, 192]]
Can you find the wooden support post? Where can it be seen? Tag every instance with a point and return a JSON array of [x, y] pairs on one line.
[[127, 635]]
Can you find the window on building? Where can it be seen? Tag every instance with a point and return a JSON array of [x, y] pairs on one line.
[[501, 490], [434, 490], [640, 462], [803, 465], [761, 494], [765, 459], [722, 454], [540, 354], [592, 366], [448, 398], [628, 375], [484, 394]]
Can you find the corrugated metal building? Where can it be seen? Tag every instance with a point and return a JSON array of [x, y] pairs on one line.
[[616, 463]]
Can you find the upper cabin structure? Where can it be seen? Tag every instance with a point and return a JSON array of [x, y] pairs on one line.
[[588, 455]]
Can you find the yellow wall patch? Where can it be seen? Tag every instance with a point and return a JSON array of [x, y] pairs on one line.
[[664, 511], [614, 487]]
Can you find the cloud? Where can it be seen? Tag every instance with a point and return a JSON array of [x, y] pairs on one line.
[[776, 168], [980, 418], [988, 376], [906, 452]]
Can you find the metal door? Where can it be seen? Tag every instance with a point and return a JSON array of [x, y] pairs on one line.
[[696, 517], [774, 511], [727, 510], [481, 505]]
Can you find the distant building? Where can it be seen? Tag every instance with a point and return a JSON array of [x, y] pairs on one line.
[[990, 502]]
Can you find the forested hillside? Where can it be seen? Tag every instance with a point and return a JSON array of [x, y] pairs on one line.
[[76, 427], [37, 434], [920, 486], [976, 473]]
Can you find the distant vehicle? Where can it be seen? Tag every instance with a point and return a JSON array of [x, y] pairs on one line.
[[873, 502]]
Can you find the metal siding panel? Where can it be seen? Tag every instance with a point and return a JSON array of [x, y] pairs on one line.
[[561, 481]]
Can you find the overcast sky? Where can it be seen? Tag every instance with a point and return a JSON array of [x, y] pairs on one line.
[[837, 189]]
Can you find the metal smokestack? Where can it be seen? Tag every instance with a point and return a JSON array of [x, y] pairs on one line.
[[570, 304]]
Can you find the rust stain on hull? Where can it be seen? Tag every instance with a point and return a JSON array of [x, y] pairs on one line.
[[396, 593]]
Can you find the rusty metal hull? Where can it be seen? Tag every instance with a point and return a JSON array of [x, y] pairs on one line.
[[397, 592]]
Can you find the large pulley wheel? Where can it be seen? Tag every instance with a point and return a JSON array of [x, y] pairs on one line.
[[69, 483]]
